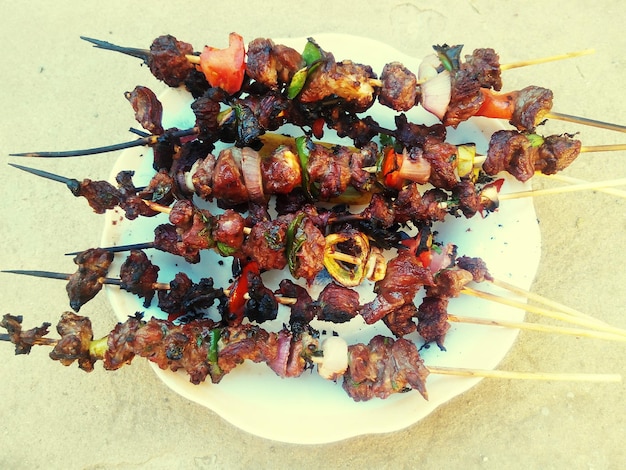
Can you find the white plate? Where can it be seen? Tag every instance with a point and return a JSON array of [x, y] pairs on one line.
[[252, 397]]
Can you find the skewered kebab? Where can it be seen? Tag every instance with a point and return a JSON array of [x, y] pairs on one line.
[[463, 88], [202, 349]]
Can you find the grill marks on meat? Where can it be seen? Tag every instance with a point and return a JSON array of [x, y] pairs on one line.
[[382, 368], [516, 153]]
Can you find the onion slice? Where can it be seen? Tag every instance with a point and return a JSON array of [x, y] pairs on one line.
[[251, 169], [436, 86]]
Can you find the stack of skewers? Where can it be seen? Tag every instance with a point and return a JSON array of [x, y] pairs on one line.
[[310, 234]]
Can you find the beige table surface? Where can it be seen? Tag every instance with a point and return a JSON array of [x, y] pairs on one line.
[[59, 93]]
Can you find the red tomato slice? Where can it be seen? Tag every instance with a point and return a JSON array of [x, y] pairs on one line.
[[225, 68]]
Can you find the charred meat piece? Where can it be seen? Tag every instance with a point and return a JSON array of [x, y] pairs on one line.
[[304, 310], [410, 205], [101, 195], [432, 320], [281, 172], [484, 66], [401, 320], [266, 244], [87, 281], [556, 153], [337, 303], [167, 60], [24, 340], [449, 282], [270, 64], [383, 367], [138, 276], [531, 104], [399, 87], [148, 109], [76, 336], [228, 184], [329, 170], [476, 266], [262, 304], [405, 276]]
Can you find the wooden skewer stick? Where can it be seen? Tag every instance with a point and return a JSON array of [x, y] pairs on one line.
[[505, 374], [585, 121], [563, 189], [545, 301], [530, 326], [543, 60], [570, 180], [543, 311]]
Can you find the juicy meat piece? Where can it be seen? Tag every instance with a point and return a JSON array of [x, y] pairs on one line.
[[449, 282], [202, 177], [442, 159], [228, 184], [399, 87], [556, 153], [410, 205], [383, 367], [305, 255], [330, 170], [404, 278], [228, 232], [337, 303], [510, 151], [347, 80], [360, 179], [138, 276], [86, 282], [484, 65], [148, 109], [237, 344], [281, 172], [266, 244], [432, 320], [531, 105], [469, 199], [400, 321], [270, 64], [76, 336], [167, 60], [476, 266]]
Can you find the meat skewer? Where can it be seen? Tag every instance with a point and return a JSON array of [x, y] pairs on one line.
[[276, 66], [201, 348], [335, 304]]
